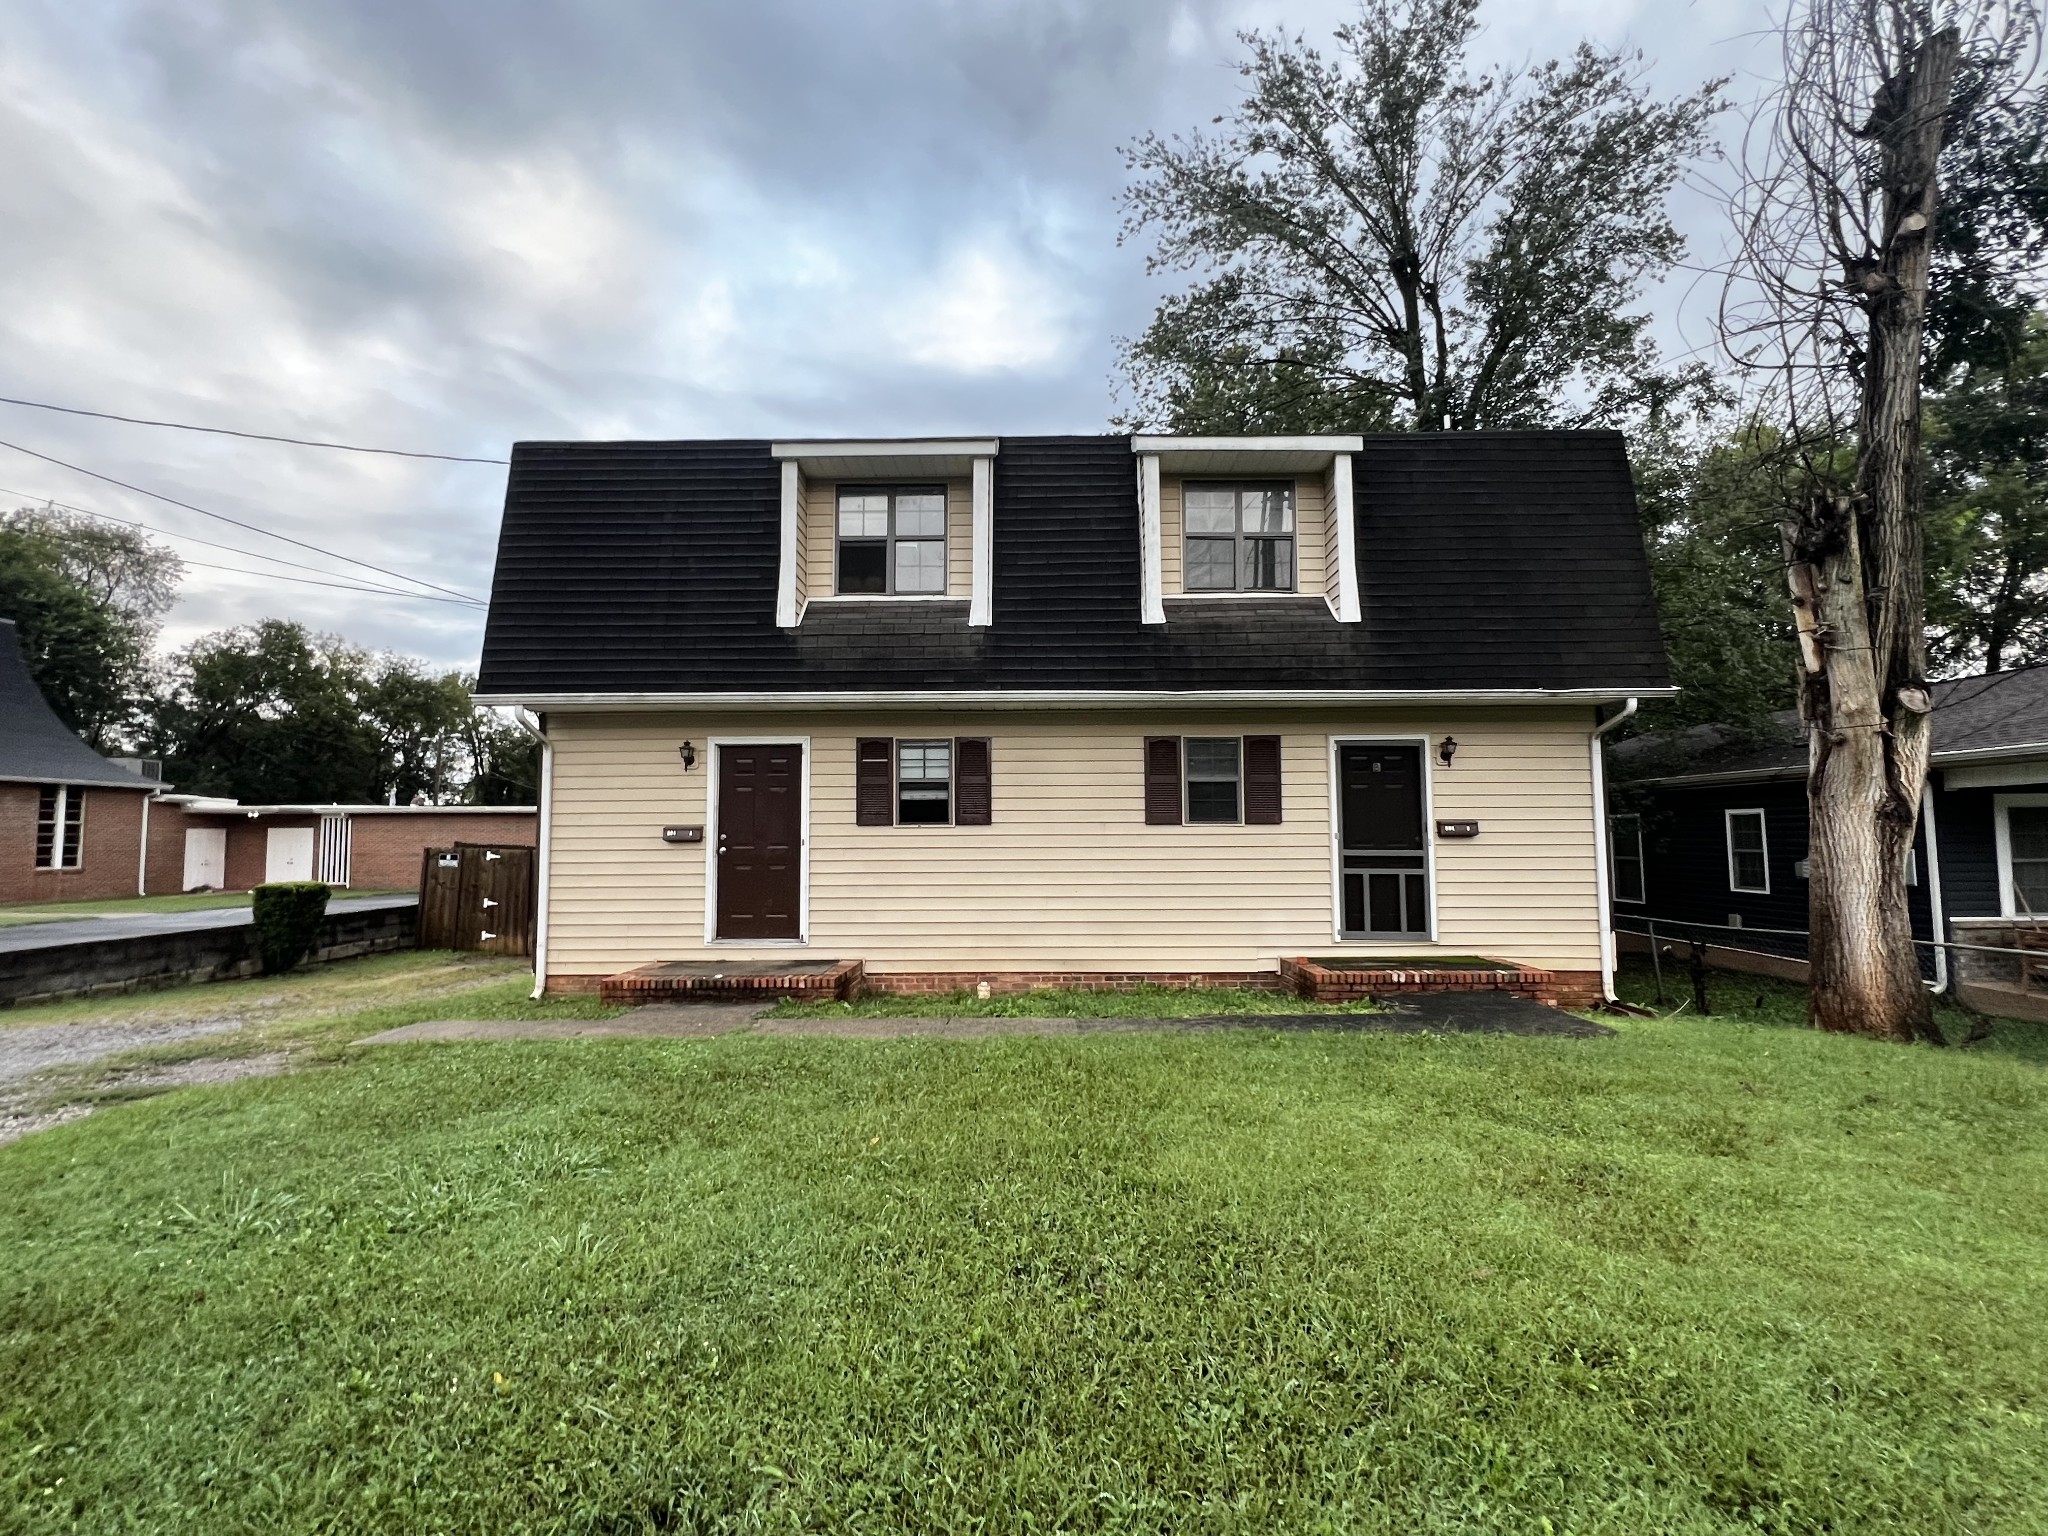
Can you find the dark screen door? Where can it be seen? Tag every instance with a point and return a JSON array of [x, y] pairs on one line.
[[1380, 802], [760, 842]]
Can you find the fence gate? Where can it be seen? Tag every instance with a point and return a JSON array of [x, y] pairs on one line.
[[477, 896]]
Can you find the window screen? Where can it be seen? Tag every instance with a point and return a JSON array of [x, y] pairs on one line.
[[2026, 830], [924, 783], [1625, 843], [1748, 865], [1238, 538], [1214, 778], [892, 540]]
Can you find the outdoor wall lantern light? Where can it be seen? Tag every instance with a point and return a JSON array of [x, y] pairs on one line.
[[688, 753], [1446, 750]]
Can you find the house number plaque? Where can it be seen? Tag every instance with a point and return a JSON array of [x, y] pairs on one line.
[[1457, 829], [682, 834]]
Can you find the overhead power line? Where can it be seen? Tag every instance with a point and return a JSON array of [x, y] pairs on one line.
[[254, 437], [345, 586], [233, 549], [238, 523]]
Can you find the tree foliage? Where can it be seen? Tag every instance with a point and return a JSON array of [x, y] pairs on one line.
[[89, 597], [1385, 238]]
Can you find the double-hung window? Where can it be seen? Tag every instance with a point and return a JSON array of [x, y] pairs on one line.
[[1625, 847], [60, 827], [2025, 829], [1749, 868], [924, 783], [892, 540], [1238, 538], [1215, 777]]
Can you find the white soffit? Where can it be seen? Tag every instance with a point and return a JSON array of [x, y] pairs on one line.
[[1246, 455], [889, 458]]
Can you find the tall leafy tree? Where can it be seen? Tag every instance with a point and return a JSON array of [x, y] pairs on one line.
[[89, 597], [503, 759], [1383, 237]]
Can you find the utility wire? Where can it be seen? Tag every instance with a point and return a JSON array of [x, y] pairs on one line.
[[255, 437], [237, 522], [345, 586], [193, 538]]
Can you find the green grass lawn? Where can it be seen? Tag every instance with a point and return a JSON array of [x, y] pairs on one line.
[[1706, 1276]]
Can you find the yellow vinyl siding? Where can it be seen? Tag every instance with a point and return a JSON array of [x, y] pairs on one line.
[[804, 586], [818, 536], [1311, 534], [1069, 876], [1328, 522]]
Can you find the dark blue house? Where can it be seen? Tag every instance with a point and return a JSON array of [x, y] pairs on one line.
[[1708, 834]]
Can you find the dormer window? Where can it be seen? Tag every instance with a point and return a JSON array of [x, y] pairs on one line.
[[892, 539], [1240, 538]]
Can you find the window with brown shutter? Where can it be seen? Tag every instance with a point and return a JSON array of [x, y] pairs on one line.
[[973, 799], [1262, 781], [874, 788], [1162, 781]]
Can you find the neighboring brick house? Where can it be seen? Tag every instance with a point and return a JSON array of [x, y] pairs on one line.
[[71, 821], [201, 840]]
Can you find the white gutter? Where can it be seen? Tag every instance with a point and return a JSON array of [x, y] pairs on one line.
[[1934, 902], [543, 834], [1059, 698], [1600, 849]]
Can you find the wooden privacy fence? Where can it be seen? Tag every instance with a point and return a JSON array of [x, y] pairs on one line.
[[477, 896]]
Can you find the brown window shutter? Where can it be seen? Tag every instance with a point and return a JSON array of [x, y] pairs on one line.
[[1262, 781], [874, 782], [1162, 781], [973, 797]]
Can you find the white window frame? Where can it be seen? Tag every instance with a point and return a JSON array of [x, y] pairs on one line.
[[892, 489], [1185, 819], [68, 795], [1239, 485], [2001, 826], [1336, 815], [1642, 869], [1763, 825], [896, 744], [803, 921]]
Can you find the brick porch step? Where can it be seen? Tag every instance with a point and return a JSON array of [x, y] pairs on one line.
[[1347, 980], [671, 981]]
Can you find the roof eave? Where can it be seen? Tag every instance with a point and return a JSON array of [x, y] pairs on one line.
[[1019, 698]]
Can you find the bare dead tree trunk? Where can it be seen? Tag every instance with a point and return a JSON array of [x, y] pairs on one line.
[[1858, 577]]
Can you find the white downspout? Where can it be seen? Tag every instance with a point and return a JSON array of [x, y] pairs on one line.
[[1600, 850], [1934, 902], [142, 863], [538, 731]]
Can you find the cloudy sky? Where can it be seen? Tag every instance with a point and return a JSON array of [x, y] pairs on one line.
[[446, 225]]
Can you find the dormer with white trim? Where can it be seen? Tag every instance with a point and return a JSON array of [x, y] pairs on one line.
[[1235, 517], [888, 520]]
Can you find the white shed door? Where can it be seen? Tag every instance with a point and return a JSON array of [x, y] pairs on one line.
[[206, 857], [289, 854]]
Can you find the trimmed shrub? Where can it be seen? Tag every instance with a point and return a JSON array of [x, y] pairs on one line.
[[287, 918]]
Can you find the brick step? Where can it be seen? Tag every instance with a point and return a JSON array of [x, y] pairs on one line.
[[673, 981], [1333, 981]]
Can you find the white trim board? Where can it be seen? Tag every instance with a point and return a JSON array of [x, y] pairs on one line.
[[1763, 824], [1056, 698], [803, 921]]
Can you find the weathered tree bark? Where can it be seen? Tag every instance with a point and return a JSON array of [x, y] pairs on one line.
[[1858, 576]]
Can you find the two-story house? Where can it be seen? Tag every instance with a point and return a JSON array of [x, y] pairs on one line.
[[1085, 709]]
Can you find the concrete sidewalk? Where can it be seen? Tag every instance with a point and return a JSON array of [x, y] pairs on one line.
[[1493, 1013]]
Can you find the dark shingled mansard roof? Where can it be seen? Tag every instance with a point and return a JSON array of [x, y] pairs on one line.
[[1999, 713], [36, 745], [1509, 560]]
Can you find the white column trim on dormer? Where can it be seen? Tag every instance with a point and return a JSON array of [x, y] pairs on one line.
[[981, 603], [1151, 597], [785, 574], [1346, 553]]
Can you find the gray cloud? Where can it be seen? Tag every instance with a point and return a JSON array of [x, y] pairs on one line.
[[449, 226]]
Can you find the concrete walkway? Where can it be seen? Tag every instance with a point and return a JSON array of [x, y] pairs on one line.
[[1437, 1012], [135, 925]]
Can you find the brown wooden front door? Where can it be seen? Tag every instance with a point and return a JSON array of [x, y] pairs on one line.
[[760, 841]]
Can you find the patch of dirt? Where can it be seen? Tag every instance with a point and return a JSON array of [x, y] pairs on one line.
[[32, 1048], [19, 1119]]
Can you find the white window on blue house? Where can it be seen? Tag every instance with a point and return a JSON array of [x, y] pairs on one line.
[[1625, 844], [1749, 865]]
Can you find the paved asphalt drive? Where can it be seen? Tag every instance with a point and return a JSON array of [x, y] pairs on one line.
[[130, 925]]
